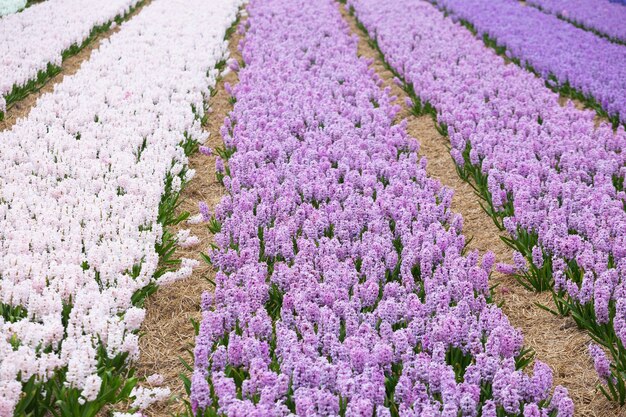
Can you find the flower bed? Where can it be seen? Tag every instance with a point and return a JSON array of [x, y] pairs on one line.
[[549, 177], [34, 43], [603, 18], [343, 286], [89, 183], [571, 60]]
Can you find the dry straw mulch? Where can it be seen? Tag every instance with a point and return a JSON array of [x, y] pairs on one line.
[[168, 332]]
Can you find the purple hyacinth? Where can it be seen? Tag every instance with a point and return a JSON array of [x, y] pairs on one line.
[[205, 150], [204, 211], [553, 173], [601, 363], [339, 261], [554, 48]]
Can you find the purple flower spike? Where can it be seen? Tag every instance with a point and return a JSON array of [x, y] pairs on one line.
[[340, 261], [600, 362], [204, 211]]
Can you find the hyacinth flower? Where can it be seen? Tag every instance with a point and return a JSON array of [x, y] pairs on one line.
[[549, 176], [604, 19], [90, 188], [34, 43], [343, 284], [572, 61]]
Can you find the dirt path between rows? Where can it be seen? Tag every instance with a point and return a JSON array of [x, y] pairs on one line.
[[556, 340], [168, 333], [70, 66]]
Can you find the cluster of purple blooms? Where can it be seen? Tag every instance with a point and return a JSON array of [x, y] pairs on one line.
[[561, 53], [342, 286], [552, 173], [602, 16]]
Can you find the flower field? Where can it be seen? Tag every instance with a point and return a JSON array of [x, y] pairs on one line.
[[33, 46], [605, 22], [225, 208], [571, 60]]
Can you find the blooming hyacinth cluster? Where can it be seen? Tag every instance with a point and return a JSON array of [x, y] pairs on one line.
[[561, 53], [602, 16], [82, 182], [551, 177], [342, 287], [11, 6], [33, 40]]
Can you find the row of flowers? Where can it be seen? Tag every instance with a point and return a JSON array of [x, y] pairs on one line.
[[34, 43], [549, 176], [343, 286], [89, 184], [11, 6], [571, 60], [605, 18]]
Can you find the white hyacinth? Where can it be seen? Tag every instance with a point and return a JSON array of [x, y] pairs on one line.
[[81, 179], [32, 39], [185, 239], [11, 6]]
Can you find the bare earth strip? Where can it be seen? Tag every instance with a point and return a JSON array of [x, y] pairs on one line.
[[556, 340], [167, 331], [70, 66]]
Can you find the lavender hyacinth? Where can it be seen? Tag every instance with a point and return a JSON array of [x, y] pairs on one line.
[[342, 286], [600, 362], [549, 175], [601, 17], [564, 55]]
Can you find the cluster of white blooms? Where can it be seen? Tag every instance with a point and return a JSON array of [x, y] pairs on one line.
[[186, 240], [185, 270], [81, 180], [195, 219], [145, 397], [11, 6], [31, 40], [155, 380]]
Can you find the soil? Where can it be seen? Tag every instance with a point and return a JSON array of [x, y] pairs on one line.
[[167, 331]]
